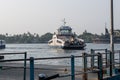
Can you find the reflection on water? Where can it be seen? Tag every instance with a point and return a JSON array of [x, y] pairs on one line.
[[66, 51], [43, 50]]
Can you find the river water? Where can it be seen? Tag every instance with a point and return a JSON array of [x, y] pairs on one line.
[[43, 51]]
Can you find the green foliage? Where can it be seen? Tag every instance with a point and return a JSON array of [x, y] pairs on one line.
[[35, 38], [46, 37], [88, 37], [26, 38]]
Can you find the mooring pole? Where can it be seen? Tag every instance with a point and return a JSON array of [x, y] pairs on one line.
[[112, 35]]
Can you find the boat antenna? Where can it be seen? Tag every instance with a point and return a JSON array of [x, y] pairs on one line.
[[105, 25], [64, 22]]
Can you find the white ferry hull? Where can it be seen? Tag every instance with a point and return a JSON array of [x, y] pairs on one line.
[[64, 45]]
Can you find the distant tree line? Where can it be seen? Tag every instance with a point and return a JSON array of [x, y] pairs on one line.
[[26, 38], [88, 37], [36, 38]]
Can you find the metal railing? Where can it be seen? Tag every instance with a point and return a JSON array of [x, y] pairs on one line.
[[85, 71], [98, 69], [11, 60], [84, 57]]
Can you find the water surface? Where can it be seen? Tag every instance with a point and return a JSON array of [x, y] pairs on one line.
[[43, 51]]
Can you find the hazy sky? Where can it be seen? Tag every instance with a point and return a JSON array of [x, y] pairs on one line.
[[41, 16]]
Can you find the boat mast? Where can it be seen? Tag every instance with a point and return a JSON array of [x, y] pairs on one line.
[[105, 25], [64, 22]]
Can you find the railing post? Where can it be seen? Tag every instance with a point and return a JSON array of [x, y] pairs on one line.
[[92, 58], [111, 67], [119, 58], [100, 73], [31, 68], [84, 66], [25, 57], [72, 67], [106, 53]]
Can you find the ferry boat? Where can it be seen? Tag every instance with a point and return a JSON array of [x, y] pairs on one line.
[[2, 44], [66, 39]]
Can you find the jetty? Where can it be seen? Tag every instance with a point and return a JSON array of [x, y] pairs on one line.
[[96, 66]]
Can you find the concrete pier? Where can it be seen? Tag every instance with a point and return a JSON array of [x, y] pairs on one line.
[[14, 71]]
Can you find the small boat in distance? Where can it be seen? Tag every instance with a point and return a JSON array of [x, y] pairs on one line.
[[2, 44], [66, 39]]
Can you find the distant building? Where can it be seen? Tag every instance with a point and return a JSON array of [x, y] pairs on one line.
[[106, 37]]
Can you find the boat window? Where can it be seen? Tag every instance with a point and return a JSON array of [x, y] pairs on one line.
[[65, 31], [59, 41], [64, 37], [50, 42]]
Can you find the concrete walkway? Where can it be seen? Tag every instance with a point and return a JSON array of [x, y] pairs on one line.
[[14, 71]]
